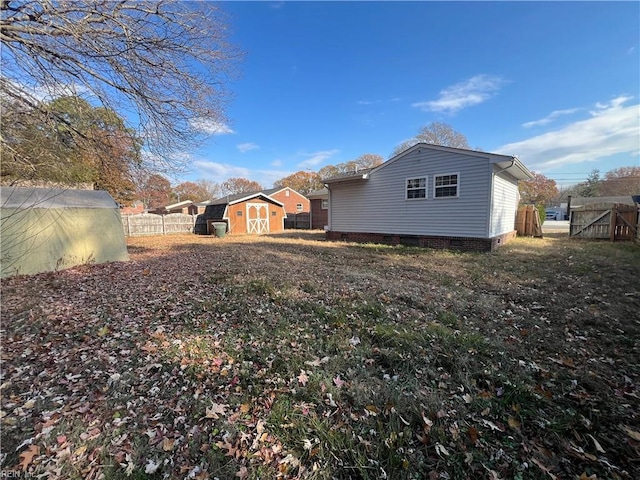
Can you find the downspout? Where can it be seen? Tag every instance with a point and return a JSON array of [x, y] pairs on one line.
[[328, 208]]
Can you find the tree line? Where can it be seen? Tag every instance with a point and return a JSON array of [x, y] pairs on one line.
[[541, 190]]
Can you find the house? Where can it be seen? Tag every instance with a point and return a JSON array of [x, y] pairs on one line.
[[319, 208], [135, 208], [429, 195], [198, 208], [244, 213], [180, 207], [50, 229], [293, 201]]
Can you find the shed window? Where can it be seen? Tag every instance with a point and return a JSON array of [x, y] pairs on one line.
[[445, 185], [416, 188], [325, 204], [239, 213], [273, 213], [298, 207]]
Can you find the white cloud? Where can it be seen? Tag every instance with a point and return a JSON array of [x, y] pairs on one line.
[[612, 129], [210, 126], [470, 92], [276, 163], [315, 159], [219, 172], [549, 118], [245, 147]]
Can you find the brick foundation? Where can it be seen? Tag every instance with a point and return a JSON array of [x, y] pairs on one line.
[[467, 244]]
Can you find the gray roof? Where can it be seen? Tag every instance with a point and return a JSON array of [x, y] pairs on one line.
[[624, 199], [322, 193], [227, 199], [351, 175], [22, 198]]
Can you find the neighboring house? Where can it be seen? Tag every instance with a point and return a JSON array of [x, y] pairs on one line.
[[319, 207], [198, 208], [180, 207], [431, 196], [245, 213], [136, 208], [293, 201]]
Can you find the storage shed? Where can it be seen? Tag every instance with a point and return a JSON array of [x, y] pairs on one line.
[[253, 213], [47, 229]]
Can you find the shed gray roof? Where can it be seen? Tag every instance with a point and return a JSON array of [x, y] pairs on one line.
[[17, 197]]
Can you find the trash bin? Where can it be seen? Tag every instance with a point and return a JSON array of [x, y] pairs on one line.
[[220, 229]]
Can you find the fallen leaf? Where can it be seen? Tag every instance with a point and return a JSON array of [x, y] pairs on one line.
[[513, 423], [80, 451], [243, 472], [27, 456], [631, 433], [303, 378], [473, 434], [467, 398], [597, 444], [338, 381], [440, 450], [215, 410], [151, 467], [168, 443]]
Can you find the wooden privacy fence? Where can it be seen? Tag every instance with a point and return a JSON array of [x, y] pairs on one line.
[[615, 222], [528, 221], [152, 224]]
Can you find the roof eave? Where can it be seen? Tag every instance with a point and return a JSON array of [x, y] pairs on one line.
[[350, 178]]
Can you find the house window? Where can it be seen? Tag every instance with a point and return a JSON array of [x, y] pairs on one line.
[[445, 185], [286, 193], [325, 204], [298, 207], [416, 188]]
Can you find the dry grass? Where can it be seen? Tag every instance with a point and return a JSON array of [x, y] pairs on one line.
[[289, 356]]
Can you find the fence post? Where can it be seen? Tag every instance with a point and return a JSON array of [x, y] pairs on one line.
[[612, 223], [128, 226], [164, 232]]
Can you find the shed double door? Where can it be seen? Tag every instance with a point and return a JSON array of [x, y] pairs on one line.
[[257, 218]]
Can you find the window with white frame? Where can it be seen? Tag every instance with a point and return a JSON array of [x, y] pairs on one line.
[[325, 204], [298, 207], [416, 188], [445, 185]]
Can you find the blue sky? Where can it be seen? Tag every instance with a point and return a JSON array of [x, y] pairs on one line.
[[557, 84]]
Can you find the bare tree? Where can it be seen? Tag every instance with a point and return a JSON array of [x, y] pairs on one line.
[[436, 133], [163, 65]]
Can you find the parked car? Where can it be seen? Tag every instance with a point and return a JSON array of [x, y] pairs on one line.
[[552, 215]]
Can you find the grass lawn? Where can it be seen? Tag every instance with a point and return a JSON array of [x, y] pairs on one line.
[[287, 356]]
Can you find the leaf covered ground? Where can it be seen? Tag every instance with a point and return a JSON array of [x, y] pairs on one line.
[[292, 357]]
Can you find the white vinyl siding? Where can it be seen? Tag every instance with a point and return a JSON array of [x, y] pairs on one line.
[[379, 204], [504, 205]]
